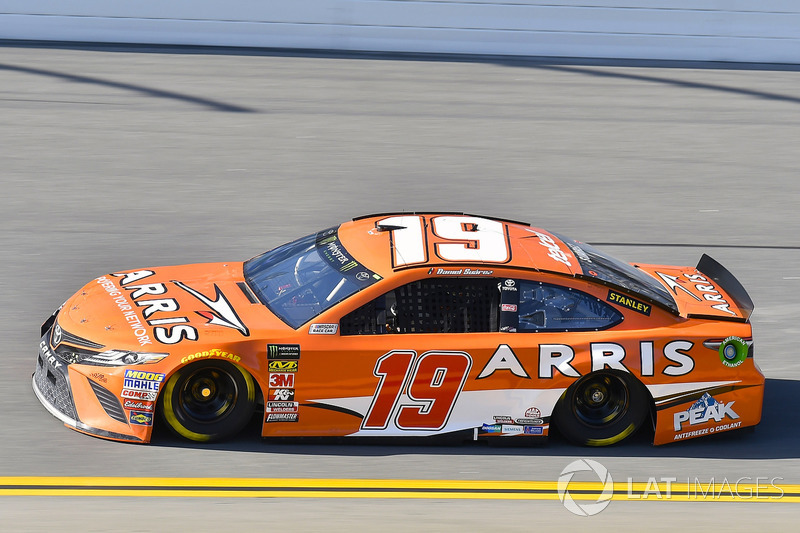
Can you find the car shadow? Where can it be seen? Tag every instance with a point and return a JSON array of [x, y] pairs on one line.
[[776, 437]]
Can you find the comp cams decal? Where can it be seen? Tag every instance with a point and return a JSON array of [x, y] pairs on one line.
[[170, 330]]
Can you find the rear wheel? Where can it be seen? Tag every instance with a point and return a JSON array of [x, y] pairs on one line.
[[208, 401], [602, 408]]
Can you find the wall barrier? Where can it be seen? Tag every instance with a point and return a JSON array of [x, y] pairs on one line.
[[705, 30]]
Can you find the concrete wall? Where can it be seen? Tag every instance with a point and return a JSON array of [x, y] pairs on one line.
[[710, 30]]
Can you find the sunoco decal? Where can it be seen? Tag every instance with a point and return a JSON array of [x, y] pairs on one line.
[[141, 418]]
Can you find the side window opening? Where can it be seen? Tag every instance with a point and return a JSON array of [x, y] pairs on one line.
[[545, 307], [463, 305]]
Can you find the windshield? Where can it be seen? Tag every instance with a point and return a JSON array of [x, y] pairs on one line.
[[600, 266], [299, 280]]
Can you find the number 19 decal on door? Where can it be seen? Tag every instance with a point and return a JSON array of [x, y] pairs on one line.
[[417, 395]]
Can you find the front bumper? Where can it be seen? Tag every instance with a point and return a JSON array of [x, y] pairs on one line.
[[52, 385]]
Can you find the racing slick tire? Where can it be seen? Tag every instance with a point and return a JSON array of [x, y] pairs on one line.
[[602, 408], [208, 401]]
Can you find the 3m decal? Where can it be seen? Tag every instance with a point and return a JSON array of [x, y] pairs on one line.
[[629, 303], [703, 411], [283, 366], [283, 380], [283, 351], [454, 238], [434, 382]]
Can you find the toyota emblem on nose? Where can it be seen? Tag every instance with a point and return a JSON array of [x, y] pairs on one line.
[[56, 335]]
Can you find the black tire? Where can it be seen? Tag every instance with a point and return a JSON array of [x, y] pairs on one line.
[[208, 401], [602, 408]]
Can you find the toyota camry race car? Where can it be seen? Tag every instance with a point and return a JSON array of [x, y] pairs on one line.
[[407, 325]]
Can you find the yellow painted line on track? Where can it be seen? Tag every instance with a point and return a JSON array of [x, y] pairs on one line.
[[392, 488]]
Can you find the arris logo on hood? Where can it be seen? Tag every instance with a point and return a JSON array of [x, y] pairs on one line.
[[172, 330]]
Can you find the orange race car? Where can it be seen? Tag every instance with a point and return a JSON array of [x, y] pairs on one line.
[[407, 325]]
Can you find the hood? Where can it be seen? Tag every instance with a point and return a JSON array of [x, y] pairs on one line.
[[155, 308], [702, 294]]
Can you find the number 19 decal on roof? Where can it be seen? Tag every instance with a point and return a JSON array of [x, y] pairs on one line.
[[431, 389], [455, 238]]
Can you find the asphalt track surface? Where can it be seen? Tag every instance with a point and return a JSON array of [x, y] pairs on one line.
[[116, 159]]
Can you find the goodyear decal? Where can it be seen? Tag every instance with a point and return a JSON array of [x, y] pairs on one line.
[[630, 303], [215, 352]]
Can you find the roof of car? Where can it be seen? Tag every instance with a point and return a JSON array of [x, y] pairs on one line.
[[388, 242]]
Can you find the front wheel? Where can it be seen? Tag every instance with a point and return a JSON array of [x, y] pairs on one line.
[[208, 401], [602, 408]]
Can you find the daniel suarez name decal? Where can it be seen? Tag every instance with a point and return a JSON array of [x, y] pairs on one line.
[[173, 329]]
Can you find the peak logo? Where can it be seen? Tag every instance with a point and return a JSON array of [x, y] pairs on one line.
[[704, 410]]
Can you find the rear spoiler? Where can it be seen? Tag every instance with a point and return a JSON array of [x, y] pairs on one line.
[[713, 270]]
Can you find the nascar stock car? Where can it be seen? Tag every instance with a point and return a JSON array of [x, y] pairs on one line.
[[407, 325]]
